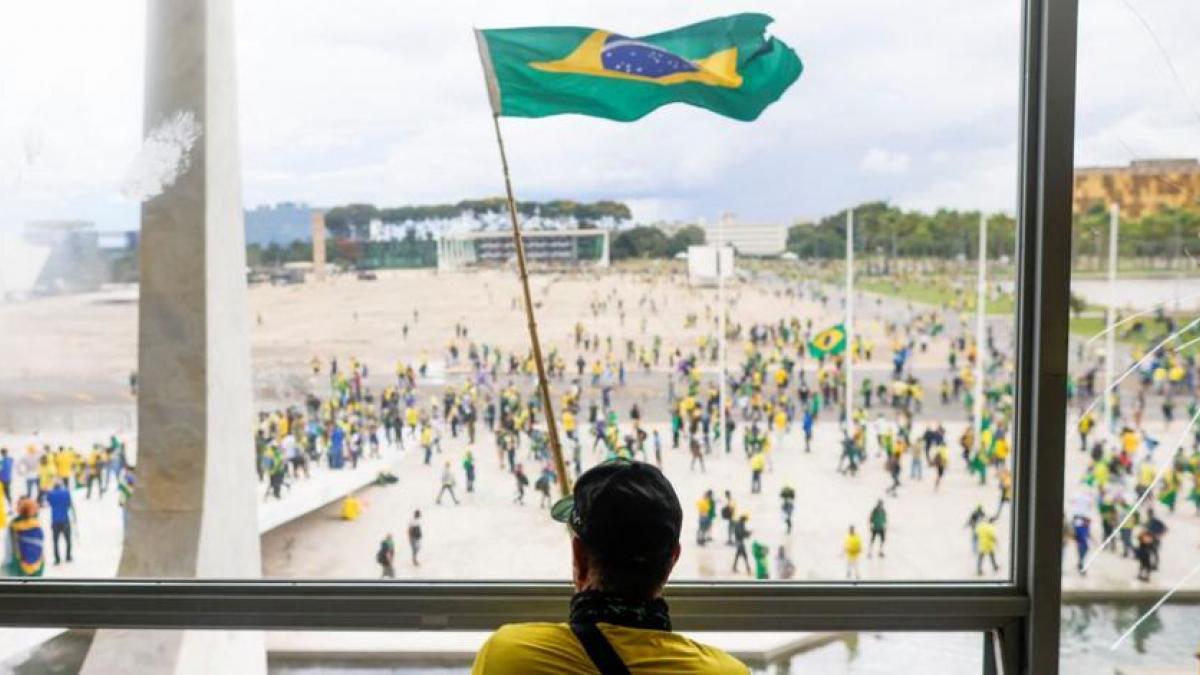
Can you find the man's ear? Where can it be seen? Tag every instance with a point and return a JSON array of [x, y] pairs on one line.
[[580, 569], [674, 558]]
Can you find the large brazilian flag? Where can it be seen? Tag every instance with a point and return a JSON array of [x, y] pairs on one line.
[[727, 65]]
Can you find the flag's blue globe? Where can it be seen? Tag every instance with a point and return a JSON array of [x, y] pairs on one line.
[[625, 55]]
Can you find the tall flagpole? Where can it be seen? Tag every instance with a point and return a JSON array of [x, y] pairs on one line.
[[849, 325], [980, 332], [721, 337], [1110, 316], [560, 467]]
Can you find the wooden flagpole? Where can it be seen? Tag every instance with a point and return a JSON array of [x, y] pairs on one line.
[[560, 467]]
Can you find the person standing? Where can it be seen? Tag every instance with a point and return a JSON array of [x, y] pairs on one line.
[[448, 482], [788, 497], [46, 478], [697, 455], [728, 510], [740, 534], [878, 521], [27, 466], [757, 463], [62, 512], [28, 541], [760, 552], [852, 548], [6, 476], [985, 538], [414, 536], [386, 557], [468, 465], [1081, 527], [704, 510], [784, 567]]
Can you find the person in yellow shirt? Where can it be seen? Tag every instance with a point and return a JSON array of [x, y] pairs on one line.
[[46, 475], [64, 463], [757, 463], [985, 537], [625, 521], [852, 548]]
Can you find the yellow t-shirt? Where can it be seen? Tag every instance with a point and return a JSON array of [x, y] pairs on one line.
[[985, 532], [551, 649], [758, 462], [852, 546]]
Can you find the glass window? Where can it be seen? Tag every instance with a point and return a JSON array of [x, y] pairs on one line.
[[386, 349], [1132, 453]]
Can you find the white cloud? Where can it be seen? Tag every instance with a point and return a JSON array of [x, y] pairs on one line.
[[878, 160], [372, 100]]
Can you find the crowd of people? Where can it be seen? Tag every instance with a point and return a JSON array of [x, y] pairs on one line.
[[40, 486], [781, 383]]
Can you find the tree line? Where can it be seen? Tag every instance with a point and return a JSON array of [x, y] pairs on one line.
[[342, 221], [887, 230]]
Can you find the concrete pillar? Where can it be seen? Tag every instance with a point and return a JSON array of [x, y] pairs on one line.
[[318, 243], [604, 260], [193, 512]]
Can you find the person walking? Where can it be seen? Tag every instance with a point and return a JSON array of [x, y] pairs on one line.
[[414, 536], [878, 520], [522, 483], [448, 482], [386, 557], [852, 548], [62, 512], [740, 534]]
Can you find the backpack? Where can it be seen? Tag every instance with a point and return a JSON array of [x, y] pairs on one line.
[[381, 556], [726, 512]]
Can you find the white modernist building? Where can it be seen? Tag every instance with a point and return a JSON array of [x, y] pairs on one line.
[[547, 247], [761, 240]]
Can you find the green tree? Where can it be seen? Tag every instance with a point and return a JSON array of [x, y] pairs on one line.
[[691, 235], [640, 242]]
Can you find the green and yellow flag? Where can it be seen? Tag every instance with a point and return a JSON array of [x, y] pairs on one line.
[[829, 342], [727, 65]]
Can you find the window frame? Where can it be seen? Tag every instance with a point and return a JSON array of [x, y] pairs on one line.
[[1020, 616]]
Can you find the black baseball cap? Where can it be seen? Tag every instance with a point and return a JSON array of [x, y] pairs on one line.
[[626, 512]]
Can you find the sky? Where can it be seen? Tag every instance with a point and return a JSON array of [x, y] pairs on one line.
[[380, 101]]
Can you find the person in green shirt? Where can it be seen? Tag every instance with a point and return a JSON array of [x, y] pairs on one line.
[[878, 520], [625, 520]]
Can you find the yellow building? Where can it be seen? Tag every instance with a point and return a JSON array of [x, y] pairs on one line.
[[1141, 188]]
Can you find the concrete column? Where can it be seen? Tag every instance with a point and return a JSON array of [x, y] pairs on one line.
[[604, 260], [318, 243], [193, 512]]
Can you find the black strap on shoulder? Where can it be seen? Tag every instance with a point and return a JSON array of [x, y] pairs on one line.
[[599, 650]]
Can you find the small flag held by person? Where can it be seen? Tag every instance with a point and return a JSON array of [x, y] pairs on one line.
[[829, 342], [727, 65]]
